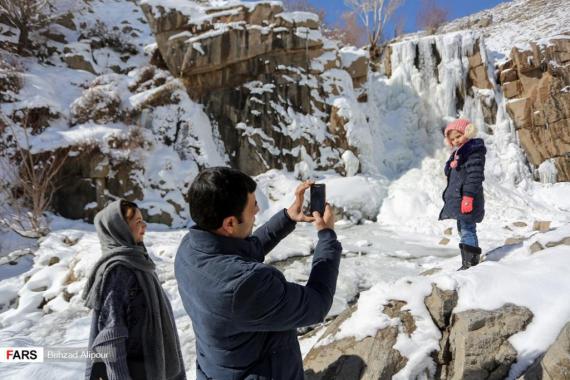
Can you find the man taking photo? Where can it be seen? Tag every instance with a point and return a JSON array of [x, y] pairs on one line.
[[244, 312]]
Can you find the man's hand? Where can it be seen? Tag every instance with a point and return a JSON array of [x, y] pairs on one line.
[[326, 221], [295, 212]]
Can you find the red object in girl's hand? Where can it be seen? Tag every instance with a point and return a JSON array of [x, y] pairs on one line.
[[466, 204]]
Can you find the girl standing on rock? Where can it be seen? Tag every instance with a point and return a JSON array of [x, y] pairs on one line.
[[132, 326], [463, 197]]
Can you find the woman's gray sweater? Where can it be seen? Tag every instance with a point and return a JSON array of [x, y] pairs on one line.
[[118, 329]]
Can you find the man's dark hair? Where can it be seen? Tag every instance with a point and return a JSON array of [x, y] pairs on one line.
[[217, 193]]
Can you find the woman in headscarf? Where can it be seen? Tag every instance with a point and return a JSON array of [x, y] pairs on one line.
[[133, 327]]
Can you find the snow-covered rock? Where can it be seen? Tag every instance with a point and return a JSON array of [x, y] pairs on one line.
[[555, 363], [491, 321]]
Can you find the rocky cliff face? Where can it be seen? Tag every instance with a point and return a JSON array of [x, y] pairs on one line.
[[266, 76], [91, 94], [537, 84]]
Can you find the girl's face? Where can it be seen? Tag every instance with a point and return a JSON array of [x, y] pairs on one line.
[[137, 226], [456, 138]]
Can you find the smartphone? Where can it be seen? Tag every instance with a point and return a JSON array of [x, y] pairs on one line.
[[318, 198]]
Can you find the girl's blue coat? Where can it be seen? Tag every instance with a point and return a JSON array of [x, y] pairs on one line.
[[466, 179]]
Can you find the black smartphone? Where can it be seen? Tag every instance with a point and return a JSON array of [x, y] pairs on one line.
[[318, 198]]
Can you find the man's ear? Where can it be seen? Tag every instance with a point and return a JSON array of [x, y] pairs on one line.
[[229, 225]]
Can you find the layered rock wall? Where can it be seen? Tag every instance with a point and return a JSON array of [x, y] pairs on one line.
[[537, 84], [258, 71]]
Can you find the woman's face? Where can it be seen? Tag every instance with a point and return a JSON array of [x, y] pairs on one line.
[[137, 226], [456, 138]]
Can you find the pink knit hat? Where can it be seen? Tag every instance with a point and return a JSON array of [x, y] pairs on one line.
[[463, 126]]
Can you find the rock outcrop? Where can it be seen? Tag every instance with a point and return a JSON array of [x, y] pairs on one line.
[[229, 44], [555, 363], [440, 304], [115, 165], [537, 84], [474, 343], [264, 75], [478, 342], [371, 358]]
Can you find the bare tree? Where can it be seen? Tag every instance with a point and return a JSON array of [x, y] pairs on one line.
[[353, 32], [374, 14], [349, 32], [430, 16], [24, 15], [29, 180]]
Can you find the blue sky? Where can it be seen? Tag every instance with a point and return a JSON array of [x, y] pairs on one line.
[[409, 10]]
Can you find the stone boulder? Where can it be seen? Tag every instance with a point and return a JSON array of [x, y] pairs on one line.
[[474, 343], [78, 56], [555, 363], [478, 69], [544, 241], [356, 62], [387, 60], [66, 20], [370, 358], [478, 342], [297, 19], [536, 82]]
